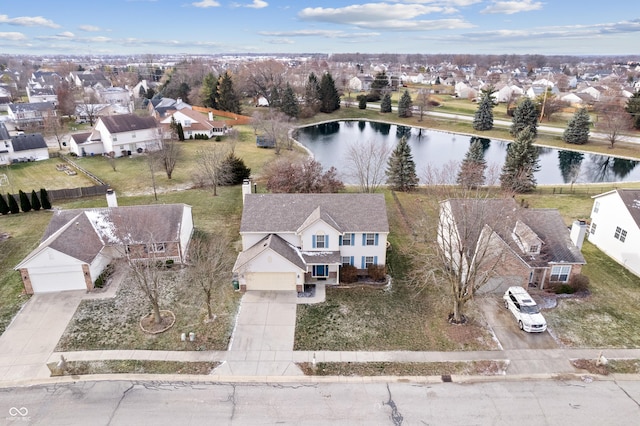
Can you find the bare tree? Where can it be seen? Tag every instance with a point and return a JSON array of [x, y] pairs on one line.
[[265, 78], [153, 158], [210, 264], [211, 170], [89, 107], [367, 164], [276, 126], [169, 154], [613, 120], [54, 126], [289, 175], [422, 103]]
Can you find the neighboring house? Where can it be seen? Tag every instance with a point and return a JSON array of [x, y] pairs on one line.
[[525, 247], [193, 123], [79, 244], [82, 145], [21, 148], [31, 114], [289, 240], [45, 94], [84, 112], [615, 226], [89, 79], [126, 134], [160, 108], [115, 95]]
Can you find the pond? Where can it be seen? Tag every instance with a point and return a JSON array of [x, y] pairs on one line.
[[329, 142]]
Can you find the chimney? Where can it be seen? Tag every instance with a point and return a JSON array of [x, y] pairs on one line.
[[210, 116], [578, 232], [112, 201], [246, 188]]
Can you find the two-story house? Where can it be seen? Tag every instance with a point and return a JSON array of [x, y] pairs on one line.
[[289, 240], [126, 134], [615, 226], [194, 124], [21, 148]]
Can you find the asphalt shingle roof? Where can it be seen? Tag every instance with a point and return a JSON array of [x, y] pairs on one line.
[[28, 141], [127, 123]]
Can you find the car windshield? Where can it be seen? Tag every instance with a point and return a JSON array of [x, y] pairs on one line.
[[530, 309]]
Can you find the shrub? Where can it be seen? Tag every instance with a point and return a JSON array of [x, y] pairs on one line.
[[377, 272], [102, 278], [563, 289], [348, 274], [580, 282]]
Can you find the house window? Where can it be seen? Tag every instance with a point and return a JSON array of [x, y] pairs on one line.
[[369, 261], [133, 135], [346, 240], [596, 206], [346, 260], [560, 273], [593, 228], [320, 241], [534, 249], [370, 239], [620, 234], [114, 138], [154, 248]]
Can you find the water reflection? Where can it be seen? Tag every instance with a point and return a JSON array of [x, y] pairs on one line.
[[330, 146]]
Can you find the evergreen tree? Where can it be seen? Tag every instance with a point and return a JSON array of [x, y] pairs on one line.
[[44, 199], [525, 115], [290, 103], [379, 86], [471, 173], [209, 91], [633, 108], [4, 207], [35, 202], [577, 131], [13, 204], [235, 170], [404, 105], [483, 118], [312, 93], [385, 105], [401, 169], [362, 102], [520, 164], [25, 204], [329, 96], [228, 99], [180, 132]]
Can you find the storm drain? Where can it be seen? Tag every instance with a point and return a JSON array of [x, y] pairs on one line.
[[446, 378]]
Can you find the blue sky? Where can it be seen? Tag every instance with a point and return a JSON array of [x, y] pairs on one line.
[[587, 27]]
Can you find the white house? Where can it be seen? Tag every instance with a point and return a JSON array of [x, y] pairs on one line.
[[21, 148], [126, 134], [194, 123], [115, 95], [289, 240], [82, 145], [615, 226], [78, 244]]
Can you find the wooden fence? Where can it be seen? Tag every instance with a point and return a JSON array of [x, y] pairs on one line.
[[87, 191], [232, 119]]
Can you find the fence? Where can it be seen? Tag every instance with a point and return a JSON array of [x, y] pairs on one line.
[[87, 191], [233, 119]]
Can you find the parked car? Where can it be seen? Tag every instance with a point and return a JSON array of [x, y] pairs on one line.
[[522, 306]]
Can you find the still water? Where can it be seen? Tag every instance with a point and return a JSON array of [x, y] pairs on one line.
[[329, 143]]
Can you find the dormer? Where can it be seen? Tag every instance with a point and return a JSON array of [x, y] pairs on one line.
[[527, 240], [319, 231]]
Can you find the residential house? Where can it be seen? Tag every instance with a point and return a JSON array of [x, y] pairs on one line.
[[361, 83], [44, 94], [79, 244], [194, 124], [115, 95], [126, 134], [508, 244], [289, 240], [82, 144], [160, 108], [21, 148], [89, 79], [86, 112], [32, 114], [615, 226]]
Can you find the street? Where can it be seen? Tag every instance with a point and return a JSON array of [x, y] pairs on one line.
[[548, 402]]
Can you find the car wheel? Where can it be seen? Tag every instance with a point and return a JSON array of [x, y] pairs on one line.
[[520, 325]]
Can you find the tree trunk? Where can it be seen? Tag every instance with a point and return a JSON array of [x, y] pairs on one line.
[[209, 313], [456, 316], [157, 318]]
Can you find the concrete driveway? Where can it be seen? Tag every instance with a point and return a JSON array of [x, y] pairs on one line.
[[262, 340], [506, 330]]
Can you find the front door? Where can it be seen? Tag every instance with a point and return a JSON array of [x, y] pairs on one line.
[[320, 271]]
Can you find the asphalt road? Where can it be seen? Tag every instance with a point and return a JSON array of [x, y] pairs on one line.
[[551, 402]]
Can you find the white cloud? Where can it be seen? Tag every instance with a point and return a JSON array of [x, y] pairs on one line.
[[511, 7], [66, 34], [206, 3], [258, 4], [89, 28], [317, 33], [14, 36], [28, 21]]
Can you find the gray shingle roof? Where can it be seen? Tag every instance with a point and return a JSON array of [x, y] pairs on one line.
[[631, 199], [27, 142], [4, 133], [271, 242], [288, 212], [127, 123]]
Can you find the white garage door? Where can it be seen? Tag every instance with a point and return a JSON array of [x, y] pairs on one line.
[[271, 280], [61, 281]]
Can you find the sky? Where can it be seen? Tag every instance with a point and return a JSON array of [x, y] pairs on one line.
[[122, 27]]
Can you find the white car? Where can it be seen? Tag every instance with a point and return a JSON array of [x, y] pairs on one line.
[[522, 306]]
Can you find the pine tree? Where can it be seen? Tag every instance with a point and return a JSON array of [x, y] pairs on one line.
[[13, 204], [525, 115], [401, 169], [385, 105], [483, 118], [290, 103], [329, 96], [520, 164], [362, 102], [577, 131], [227, 97], [404, 105], [209, 90], [235, 170], [471, 173], [379, 85], [312, 93], [35, 202], [25, 204], [44, 199], [633, 108], [4, 207], [180, 132]]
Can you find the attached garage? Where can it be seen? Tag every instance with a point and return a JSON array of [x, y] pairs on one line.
[[49, 282], [270, 280]]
